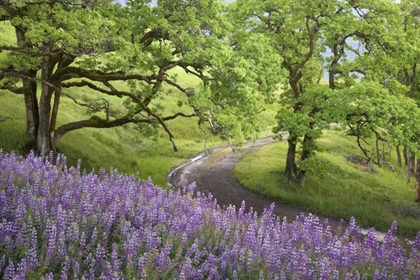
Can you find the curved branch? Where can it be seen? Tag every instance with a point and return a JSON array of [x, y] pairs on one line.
[[84, 83], [30, 52], [94, 75], [70, 72], [15, 90]]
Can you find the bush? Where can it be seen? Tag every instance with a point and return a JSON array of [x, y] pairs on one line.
[[405, 209]]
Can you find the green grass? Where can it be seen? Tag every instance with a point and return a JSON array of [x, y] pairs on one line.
[[123, 148], [337, 188]]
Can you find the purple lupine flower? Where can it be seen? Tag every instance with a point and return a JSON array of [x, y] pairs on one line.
[[49, 276], [51, 237], [391, 235], [141, 266], [75, 217], [9, 272], [115, 261], [235, 274], [65, 269], [163, 261], [21, 270]]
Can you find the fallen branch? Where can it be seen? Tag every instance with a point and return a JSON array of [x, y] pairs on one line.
[[11, 118], [389, 165]]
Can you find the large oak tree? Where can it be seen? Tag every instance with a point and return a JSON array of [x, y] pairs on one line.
[[129, 53]]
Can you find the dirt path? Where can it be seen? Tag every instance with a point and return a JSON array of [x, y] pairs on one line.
[[214, 174]]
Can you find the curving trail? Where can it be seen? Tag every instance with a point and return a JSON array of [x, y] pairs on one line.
[[214, 174]]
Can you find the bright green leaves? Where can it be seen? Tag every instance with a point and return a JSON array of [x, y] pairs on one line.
[[309, 113], [370, 50]]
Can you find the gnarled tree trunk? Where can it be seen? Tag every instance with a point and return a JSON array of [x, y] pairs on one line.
[[398, 151], [29, 89]]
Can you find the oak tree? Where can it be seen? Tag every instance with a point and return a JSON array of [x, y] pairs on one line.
[[129, 53]]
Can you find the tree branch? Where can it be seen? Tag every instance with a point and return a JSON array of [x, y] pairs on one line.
[[70, 72], [11, 118]]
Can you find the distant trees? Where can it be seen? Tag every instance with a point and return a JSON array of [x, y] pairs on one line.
[[363, 46], [130, 53]]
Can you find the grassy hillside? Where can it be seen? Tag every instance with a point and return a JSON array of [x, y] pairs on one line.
[[336, 187]]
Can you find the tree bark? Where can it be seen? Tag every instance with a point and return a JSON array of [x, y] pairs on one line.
[[43, 141], [409, 168], [417, 196], [305, 155], [31, 104], [29, 91], [397, 149], [413, 163], [54, 112], [291, 168]]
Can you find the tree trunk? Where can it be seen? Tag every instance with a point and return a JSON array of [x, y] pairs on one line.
[[61, 62], [302, 177], [417, 197], [54, 112], [413, 163], [291, 168], [43, 141], [29, 92], [31, 104], [305, 155], [408, 165], [397, 149]]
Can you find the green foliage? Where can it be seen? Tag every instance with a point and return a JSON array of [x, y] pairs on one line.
[[367, 84]]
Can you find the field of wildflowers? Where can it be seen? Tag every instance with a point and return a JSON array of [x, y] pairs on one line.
[[59, 222]]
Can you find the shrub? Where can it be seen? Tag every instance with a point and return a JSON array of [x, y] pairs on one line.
[[406, 209]]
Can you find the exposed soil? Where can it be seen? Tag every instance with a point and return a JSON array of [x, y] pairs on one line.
[[214, 174]]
